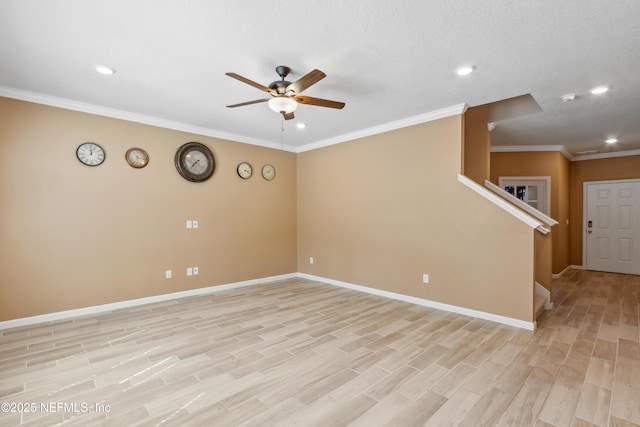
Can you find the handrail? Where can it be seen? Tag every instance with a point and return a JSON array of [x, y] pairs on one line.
[[518, 213], [520, 204]]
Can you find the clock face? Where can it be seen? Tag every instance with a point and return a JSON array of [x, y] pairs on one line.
[[244, 170], [137, 157], [268, 172], [90, 154], [194, 161]]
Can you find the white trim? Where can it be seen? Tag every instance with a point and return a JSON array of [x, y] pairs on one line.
[[543, 230], [563, 150], [529, 148], [84, 107], [69, 104], [519, 203], [386, 127], [531, 222], [607, 155], [563, 272], [61, 315], [541, 290], [530, 326]]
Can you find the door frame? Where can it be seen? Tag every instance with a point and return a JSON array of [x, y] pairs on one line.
[[583, 229]]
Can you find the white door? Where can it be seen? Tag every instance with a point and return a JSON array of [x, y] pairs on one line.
[[533, 190], [612, 226]]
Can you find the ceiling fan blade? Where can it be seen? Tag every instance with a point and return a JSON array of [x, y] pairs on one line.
[[251, 83], [306, 81], [257, 101], [319, 102], [287, 116]]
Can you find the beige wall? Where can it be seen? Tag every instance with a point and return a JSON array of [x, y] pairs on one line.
[[552, 164], [594, 170], [378, 211], [543, 259], [477, 146], [74, 236], [382, 210]]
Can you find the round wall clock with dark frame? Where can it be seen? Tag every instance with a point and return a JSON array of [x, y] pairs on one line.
[[90, 154], [194, 162]]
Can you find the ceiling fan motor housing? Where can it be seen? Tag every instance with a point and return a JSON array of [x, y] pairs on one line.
[[280, 86]]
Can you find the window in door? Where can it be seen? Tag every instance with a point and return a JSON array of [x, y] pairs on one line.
[[533, 190]]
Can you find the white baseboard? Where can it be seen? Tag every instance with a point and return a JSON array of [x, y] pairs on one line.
[[61, 315], [569, 268], [425, 302], [541, 290], [26, 321]]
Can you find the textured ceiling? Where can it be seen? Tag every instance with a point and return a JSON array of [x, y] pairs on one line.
[[388, 61]]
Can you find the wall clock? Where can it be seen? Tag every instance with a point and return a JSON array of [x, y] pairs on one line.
[[194, 162], [90, 154], [244, 170], [137, 157], [268, 172]]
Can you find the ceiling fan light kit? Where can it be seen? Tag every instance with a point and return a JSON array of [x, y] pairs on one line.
[[283, 104], [285, 95]]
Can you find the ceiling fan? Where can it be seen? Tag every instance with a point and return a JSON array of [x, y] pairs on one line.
[[285, 96]]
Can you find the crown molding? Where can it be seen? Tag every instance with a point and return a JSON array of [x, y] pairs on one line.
[[69, 104], [607, 155], [561, 148], [84, 107], [530, 148], [386, 127]]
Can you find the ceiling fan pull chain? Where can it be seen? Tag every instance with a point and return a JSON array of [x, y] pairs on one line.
[[282, 133]]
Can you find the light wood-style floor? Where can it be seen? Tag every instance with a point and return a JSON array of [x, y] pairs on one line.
[[301, 353]]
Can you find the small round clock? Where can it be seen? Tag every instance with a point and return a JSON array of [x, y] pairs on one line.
[[195, 162], [90, 154], [268, 172], [244, 170], [137, 157]]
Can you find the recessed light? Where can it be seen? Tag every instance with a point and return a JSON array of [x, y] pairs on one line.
[[611, 140], [103, 69], [568, 97], [465, 70], [599, 90], [301, 126]]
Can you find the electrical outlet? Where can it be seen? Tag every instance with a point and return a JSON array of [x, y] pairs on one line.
[[167, 274], [425, 278], [195, 223], [189, 223], [310, 260], [189, 271], [195, 271]]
